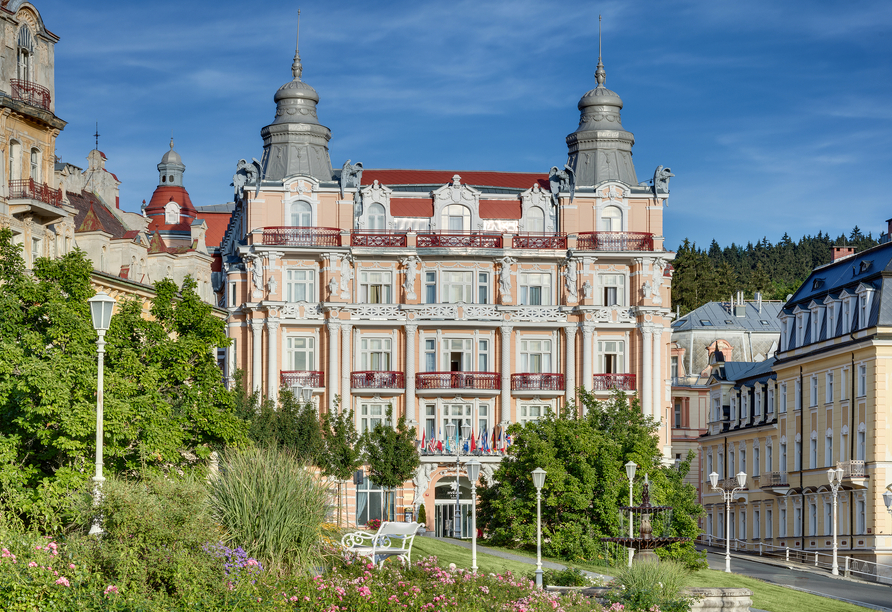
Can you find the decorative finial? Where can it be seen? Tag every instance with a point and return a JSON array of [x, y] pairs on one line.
[[296, 67], [600, 74], [171, 143], [97, 135]]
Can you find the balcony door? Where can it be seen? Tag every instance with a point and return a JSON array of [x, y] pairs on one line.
[[301, 353], [610, 354], [535, 356], [458, 354], [375, 354]]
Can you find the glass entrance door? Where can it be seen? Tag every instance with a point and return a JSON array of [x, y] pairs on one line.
[[446, 517]]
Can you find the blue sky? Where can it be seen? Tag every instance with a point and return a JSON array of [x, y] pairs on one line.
[[775, 116]]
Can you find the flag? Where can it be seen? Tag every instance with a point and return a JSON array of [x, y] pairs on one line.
[[494, 445], [501, 445], [440, 441], [473, 442], [423, 447]]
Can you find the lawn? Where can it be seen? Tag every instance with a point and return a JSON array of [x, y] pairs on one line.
[[447, 553]]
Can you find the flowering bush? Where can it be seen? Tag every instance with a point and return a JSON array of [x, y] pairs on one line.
[[651, 587], [373, 525]]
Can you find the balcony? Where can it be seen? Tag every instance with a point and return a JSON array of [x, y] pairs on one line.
[[853, 473], [533, 240], [302, 236], [302, 378], [489, 383], [434, 240], [774, 482], [532, 381], [615, 241], [31, 93], [609, 382], [377, 238], [377, 380], [35, 198]]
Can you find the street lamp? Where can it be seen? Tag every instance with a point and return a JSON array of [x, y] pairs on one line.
[[887, 499], [631, 466], [472, 467], [538, 482], [728, 495], [101, 307], [465, 432], [835, 478]]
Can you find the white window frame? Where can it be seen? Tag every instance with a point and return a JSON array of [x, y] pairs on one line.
[[813, 391], [619, 355], [430, 286], [862, 380], [615, 282], [369, 280], [292, 281], [542, 281], [783, 398], [756, 461], [291, 351], [460, 280], [536, 348], [828, 448], [828, 387], [813, 451], [528, 413], [769, 526], [368, 350], [371, 413], [305, 217]]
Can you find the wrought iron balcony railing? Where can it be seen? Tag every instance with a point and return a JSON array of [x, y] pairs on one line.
[[615, 241], [430, 240], [377, 380], [480, 381], [31, 190], [852, 469], [302, 236], [377, 238], [533, 240], [531, 381], [608, 382], [302, 378], [31, 93], [774, 479]]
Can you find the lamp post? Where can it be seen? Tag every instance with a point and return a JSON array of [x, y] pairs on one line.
[[538, 482], [835, 478], [472, 467], [728, 495], [887, 499], [101, 308], [631, 466], [465, 432]]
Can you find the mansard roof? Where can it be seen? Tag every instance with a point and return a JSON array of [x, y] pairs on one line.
[[429, 180], [716, 316]]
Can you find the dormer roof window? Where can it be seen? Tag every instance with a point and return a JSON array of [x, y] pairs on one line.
[[817, 284], [171, 213]]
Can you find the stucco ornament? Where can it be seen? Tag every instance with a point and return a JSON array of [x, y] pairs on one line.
[[505, 277], [488, 472], [246, 173], [658, 266], [272, 284], [570, 279], [257, 275], [587, 290], [660, 181], [562, 181], [346, 275], [422, 481], [351, 176], [410, 263], [332, 288]]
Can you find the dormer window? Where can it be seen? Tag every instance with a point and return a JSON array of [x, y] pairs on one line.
[[865, 266], [817, 284], [171, 213], [456, 218]]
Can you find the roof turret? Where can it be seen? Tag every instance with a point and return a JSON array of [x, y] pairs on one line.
[[171, 168]]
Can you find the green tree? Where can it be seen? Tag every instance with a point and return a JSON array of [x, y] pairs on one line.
[[391, 454], [342, 450]]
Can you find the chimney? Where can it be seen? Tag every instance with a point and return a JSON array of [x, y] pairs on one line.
[[759, 301], [740, 306], [841, 252]]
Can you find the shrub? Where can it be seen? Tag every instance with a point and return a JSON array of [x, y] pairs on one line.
[[684, 553], [422, 514], [271, 505], [651, 584], [569, 576]]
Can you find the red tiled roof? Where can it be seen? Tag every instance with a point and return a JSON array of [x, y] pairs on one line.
[[217, 224], [515, 180], [131, 234], [156, 244], [163, 194], [500, 209], [85, 203], [91, 222], [411, 207]]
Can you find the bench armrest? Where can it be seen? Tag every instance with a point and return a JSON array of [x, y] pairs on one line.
[[358, 538]]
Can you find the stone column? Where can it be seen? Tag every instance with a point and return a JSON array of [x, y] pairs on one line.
[[646, 375], [272, 350], [256, 357], [346, 368], [506, 372], [570, 371], [334, 326], [588, 330], [658, 383], [411, 408]]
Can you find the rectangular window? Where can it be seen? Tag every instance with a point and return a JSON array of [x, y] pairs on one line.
[[756, 466], [483, 355], [371, 415], [483, 288], [783, 458], [812, 519], [757, 516], [430, 355], [860, 517], [797, 522], [783, 398], [372, 502], [797, 455], [530, 413], [843, 384], [770, 409], [233, 295], [614, 289], [375, 354], [708, 465], [769, 458], [457, 286], [812, 453], [458, 415], [733, 407], [828, 451], [828, 518], [430, 287], [828, 391], [482, 421], [375, 287], [758, 409], [744, 404], [782, 526], [611, 355], [862, 380], [535, 356], [716, 409], [798, 396], [300, 286], [430, 423], [813, 391], [721, 462], [742, 460], [301, 353], [862, 445], [535, 289], [742, 530], [457, 354], [769, 526], [677, 414]]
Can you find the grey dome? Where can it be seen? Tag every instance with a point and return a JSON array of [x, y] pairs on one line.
[[600, 96], [171, 157]]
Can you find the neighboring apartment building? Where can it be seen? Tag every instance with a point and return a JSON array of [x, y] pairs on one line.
[[823, 402], [741, 330], [452, 296]]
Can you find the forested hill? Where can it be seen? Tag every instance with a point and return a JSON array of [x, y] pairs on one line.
[[776, 270]]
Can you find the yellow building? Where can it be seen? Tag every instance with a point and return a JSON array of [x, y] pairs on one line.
[[822, 403]]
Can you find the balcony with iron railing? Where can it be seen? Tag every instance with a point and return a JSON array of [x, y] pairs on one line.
[[378, 238], [609, 382], [302, 378], [456, 239], [615, 241], [533, 240], [535, 381], [469, 381], [302, 236], [374, 379], [31, 93], [34, 192]]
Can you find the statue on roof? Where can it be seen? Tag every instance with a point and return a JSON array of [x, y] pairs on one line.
[[562, 181], [246, 173], [660, 180], [351, 176]]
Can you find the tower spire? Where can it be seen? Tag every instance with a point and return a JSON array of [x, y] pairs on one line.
[[296, 67], [600, 73]]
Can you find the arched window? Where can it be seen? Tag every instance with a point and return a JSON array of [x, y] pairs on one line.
[[535, 221], [612, 219], [35, 165], [456, 218], [377, 217], [15, 160], [25, 55], [301, 215]]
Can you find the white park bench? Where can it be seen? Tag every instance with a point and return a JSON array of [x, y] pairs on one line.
[[391, 540]]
